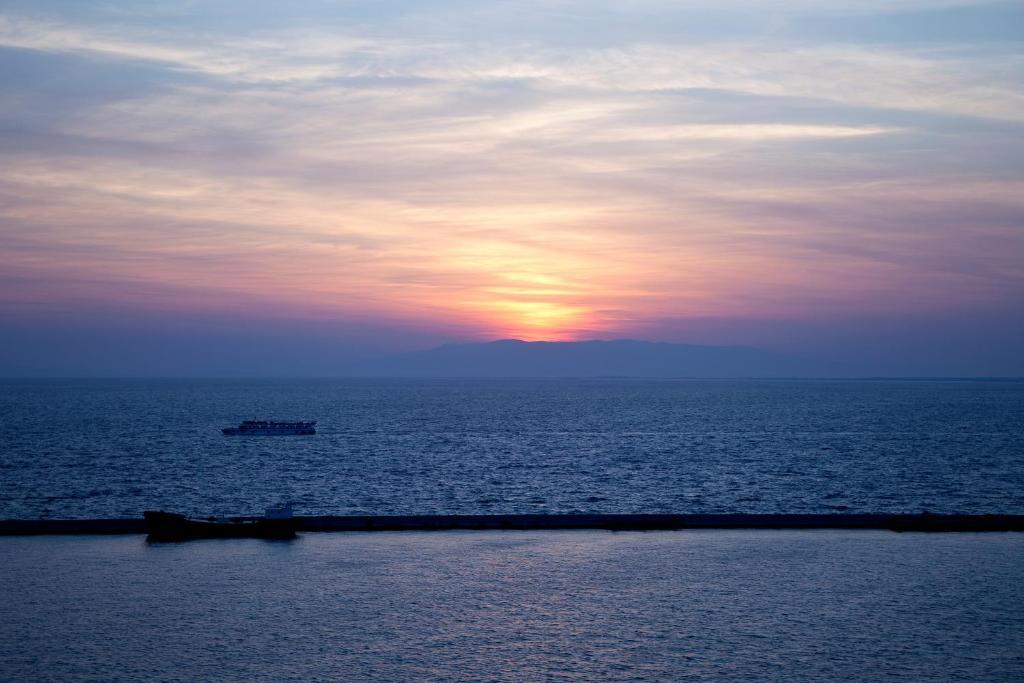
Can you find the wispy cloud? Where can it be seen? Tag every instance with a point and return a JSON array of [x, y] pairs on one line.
[[462, 163]]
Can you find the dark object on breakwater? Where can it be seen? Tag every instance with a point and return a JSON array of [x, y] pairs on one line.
[[649, 522], [271, 428], [167, 526]]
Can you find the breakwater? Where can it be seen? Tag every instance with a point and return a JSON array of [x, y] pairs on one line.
[[612, 522]]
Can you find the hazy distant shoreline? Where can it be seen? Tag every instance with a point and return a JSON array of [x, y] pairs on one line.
[[496, 378]]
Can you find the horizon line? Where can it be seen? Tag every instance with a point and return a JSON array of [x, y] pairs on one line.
[[759, 378]]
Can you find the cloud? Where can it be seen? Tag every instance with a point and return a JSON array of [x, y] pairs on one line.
[[509, 178]]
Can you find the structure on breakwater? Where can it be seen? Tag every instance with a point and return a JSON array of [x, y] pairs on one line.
[[611, 522]]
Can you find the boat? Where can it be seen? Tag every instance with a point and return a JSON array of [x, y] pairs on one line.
[[278, 523], [271, 428]]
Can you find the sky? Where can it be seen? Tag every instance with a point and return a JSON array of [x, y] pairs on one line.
[[281, 188]]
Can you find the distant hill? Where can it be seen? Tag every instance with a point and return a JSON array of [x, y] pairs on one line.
[[620, 358]]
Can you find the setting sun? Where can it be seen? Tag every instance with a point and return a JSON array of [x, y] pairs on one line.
[[534, 320]]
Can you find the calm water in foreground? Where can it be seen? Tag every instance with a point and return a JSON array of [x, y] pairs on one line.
[[115, 448], [517, 606]]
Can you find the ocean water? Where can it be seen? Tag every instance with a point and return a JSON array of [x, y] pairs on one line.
[[517, 606], [114, 448]]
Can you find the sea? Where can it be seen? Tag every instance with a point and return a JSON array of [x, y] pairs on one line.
[[113, 448], [516, 606], [687, 605]]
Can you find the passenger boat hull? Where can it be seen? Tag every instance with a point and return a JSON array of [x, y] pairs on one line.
[[238, 431], [167, 526], [272, 428]]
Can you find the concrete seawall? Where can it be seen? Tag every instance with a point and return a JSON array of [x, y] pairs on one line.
[[613, 522]]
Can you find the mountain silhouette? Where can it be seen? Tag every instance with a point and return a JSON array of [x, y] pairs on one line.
[[619, 358]]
